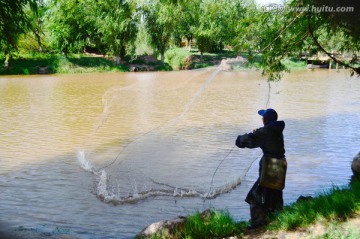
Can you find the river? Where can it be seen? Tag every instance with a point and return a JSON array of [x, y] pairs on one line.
[[104, 155]]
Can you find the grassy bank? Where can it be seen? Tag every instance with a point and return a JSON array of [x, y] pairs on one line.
[[338, 204], [331, 208], [175, 59], [182, 58], [55, 63], [294, 63]]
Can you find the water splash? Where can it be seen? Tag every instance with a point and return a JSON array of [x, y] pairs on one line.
[[108, 194], [101, 189], [84, 163], [157, 189]]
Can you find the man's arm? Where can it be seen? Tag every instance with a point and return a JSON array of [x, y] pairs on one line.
[[251, 140]]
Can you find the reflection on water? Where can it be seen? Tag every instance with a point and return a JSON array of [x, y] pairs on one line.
[[159, 137]]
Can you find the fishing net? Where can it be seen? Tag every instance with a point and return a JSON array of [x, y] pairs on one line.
[[170, 139]]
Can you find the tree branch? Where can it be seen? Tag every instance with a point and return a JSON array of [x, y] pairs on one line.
[[281, 32], [311, 31]]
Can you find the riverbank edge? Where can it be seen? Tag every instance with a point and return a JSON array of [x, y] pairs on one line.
[[334, 226], [338, 222], [175, 59], [339, 216]]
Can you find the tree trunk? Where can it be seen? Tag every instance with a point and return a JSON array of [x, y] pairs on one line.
[[118, 60], [37, 33], [39, 42], [122, 52], [65, 51], [162, 57], [189, 40], [8, 59], [6, 63], [201, 57]]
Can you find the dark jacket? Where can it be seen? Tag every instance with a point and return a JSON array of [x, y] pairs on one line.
[[269, 138]]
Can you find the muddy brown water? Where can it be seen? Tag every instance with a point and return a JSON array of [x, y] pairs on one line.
[[104, 155]]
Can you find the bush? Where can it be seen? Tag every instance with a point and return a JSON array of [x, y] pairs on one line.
[[176, 57]]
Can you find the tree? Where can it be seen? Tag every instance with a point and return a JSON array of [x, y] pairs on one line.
[[116, 23], [13, 22], [67, 25], [35, 34], [216, 23], [247, 30], [341, 20], [188, 20], [208, 30], [302, 25], [226, 15], [161, 19]]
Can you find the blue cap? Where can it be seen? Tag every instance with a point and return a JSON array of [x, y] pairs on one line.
[[268, 114]]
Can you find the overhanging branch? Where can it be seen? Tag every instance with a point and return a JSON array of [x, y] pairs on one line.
[[311, 31]]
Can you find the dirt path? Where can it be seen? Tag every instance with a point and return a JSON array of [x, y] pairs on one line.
[[322, 229]]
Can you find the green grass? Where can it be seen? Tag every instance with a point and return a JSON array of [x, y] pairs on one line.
[[219, 225], [55, 63], [216, 224], [334, 206], [175, 58], [26, 64], [29, 64], [211, 59], [337, 204], [294, 63]]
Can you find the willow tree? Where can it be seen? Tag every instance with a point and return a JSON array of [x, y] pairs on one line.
[[13, 22], [189, 15], [67, 25], [341, 21], [216, 23], [35, 38], [281, 32], [116, 23], [161, 19]]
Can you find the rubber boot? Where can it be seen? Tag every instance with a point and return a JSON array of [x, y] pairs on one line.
[[258, 216]]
